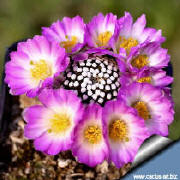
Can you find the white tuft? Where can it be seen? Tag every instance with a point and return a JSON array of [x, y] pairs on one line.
[[102, 94], [80, 77], [69, 74], [114, 93], [76, 83], [100, 100], [109, 81], [73, 77], [83, 90], [109, 96], [107, 87], [90, 93], [66, 82], [79, 70]]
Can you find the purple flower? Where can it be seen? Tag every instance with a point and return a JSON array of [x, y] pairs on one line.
[[128, 35], [69, 33], [51, 125], [33, 66], [151, 104], [100, 30], [149, 56], [125, 132], [89, 145], [157, 78]]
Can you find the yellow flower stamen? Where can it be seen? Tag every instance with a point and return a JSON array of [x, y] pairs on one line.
[[69, 43], [40, 70], [127, 43], [142, 109], [118, 131], [144, 80], [59, 123], [103, 38], [140, 61], [93, 134]]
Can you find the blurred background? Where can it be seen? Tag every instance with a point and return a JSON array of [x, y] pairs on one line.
[[20, 19]]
